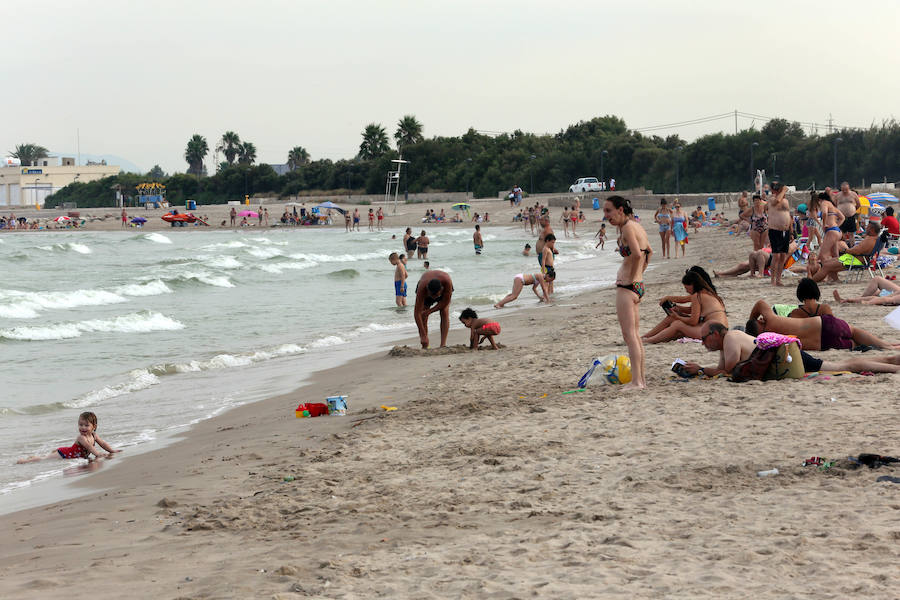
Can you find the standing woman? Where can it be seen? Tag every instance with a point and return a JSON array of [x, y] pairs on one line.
[[663, 216], [564, 218], [679, 229], [832, 219], [635, 250], [759, 222]]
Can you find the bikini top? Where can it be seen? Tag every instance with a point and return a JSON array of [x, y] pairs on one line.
[[625, 251], [808, 314]]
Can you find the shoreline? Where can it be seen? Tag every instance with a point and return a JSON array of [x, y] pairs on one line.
[[487, 466]]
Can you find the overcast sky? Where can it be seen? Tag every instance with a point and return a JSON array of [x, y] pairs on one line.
[[138, 78]]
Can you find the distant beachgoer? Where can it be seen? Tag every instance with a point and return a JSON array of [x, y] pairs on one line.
[[517, 194], [601, 237], [355, 219], [564, 219], [124, 216], [422, 245], [233, 216], [259, 214], [527, 250], [612, 184], [266, 216], [636, 252], [542, 234], [84, 445], [380, 216], [759, 222], [663, 216], [548, 260], [433, 294], [743, 204], [426, 265], [855, 256], [535, 280], [371, 220], [679, 229], [409, 241], [482, 329], [779, 211], [847, 201], [889, 221], [399, 279], [476, 238], [244, 222]]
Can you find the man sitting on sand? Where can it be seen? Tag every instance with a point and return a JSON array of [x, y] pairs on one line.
[[878, 291], [736, 346], [824, 332], [855, 256], [433, 293]]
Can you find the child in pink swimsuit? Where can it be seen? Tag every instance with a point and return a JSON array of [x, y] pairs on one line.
[[84, 443], [482, 329]]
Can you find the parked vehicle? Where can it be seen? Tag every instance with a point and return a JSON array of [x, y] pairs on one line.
[[585, 184]]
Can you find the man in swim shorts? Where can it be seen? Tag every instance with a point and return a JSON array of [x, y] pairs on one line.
[[544, 222], [779, 211], [847, 201], [476, 238], [823, 332], [433, 293]]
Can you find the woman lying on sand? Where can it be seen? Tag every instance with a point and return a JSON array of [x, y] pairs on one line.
[[705, 304], [875, 293]]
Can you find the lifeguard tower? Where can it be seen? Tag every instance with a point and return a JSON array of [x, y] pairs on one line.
[[152, 194]]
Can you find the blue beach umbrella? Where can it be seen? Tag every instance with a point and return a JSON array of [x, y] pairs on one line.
[[332, 205], [139, 220]]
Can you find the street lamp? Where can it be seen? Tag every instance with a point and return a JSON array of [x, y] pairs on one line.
[[836, 142], [531, 170], [774, 159], [677, 169], [468, 173], [602, 180], [752, 169]]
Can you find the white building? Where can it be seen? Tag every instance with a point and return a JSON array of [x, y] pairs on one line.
[[30, 186]]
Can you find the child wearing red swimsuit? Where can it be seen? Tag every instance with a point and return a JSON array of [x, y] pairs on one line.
[[482, 329], [84, 443]]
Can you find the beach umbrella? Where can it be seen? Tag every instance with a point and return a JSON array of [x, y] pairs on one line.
[[62, 219], [248, 213], [876, 209], [882, 197], [139, 220], [331, 205], [461, 206]]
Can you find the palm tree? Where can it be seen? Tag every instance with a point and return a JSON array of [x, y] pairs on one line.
[[375, 142], [247, 154], [229, 144], [28, 153], [196, 151], [297, 156], [409, 131]]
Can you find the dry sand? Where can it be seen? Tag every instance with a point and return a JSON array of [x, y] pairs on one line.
[[489, 482]]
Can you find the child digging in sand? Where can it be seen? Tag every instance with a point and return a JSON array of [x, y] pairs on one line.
[[84, 443], [481, 329]]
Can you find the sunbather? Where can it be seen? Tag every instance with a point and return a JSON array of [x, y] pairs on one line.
[[685, 321], [823, 332], [875, 293], [855, 256]]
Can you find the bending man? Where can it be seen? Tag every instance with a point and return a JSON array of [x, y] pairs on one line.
[[433, 293]]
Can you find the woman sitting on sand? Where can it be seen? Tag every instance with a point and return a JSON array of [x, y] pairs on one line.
[[705, 305], [878, 291]]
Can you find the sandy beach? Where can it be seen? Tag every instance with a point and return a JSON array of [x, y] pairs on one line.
[[488, 481]]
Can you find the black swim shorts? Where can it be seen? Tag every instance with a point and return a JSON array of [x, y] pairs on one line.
[[849, 224], [780, 240], [811, 364]]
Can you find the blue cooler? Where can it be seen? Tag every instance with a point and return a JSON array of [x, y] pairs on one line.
[[596, 204], [711, 203], [191, 205]]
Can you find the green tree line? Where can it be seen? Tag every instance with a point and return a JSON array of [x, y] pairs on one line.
[[486, 164]]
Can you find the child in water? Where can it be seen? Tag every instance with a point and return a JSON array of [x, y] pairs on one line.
[[84, 443], [481, 329], [601, 235]]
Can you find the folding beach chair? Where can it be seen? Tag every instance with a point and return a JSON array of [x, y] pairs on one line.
[[870, 261]]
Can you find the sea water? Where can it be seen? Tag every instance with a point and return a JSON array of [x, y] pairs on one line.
[[155, 331]]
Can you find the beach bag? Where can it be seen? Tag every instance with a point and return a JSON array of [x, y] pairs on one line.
[[755, 367], [613, 369], [787, 364]]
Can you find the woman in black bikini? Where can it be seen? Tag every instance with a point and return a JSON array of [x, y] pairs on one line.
[[705, 305], [635, 250], [808, 294]]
